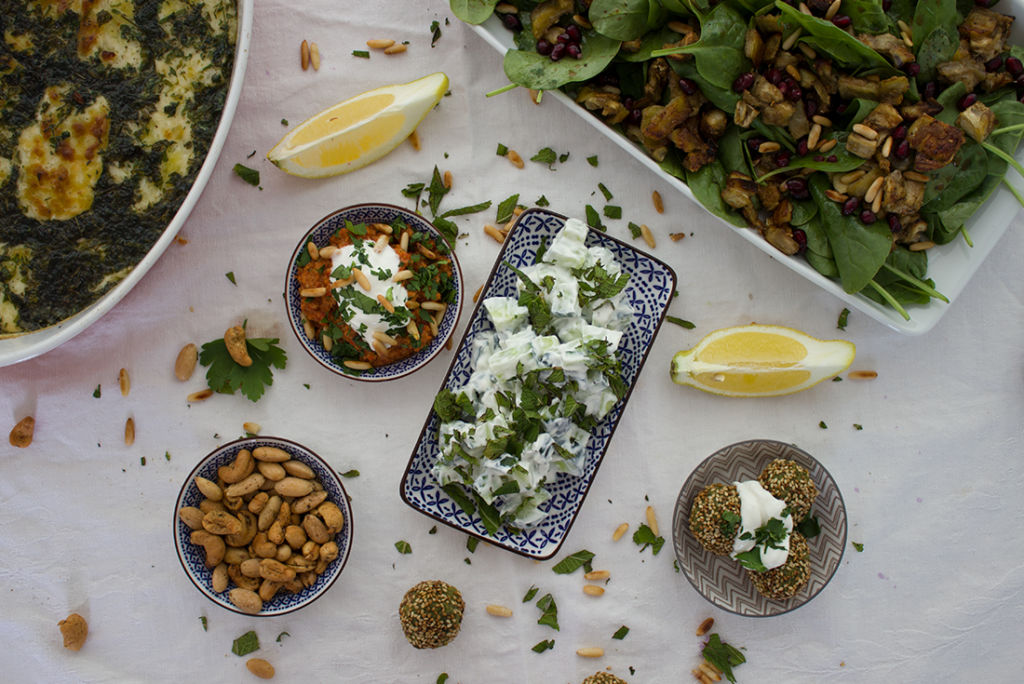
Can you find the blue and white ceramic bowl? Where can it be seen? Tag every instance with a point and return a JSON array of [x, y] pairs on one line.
[[193, 558], [319, 235]]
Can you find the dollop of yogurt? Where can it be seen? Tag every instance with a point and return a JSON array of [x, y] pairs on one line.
[[757, 507], [379, 267]]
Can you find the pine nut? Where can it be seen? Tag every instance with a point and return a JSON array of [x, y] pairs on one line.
[[706, 669], [862, 375], [853, 176], [129, 432], [705, 627], [385, 338], [201, 395], [887, 146], [659, 205], [804, 8], [921, 246], [832, 9], [866, 131], [828, 145], [498, 236], [327, 342], [814, 136], [403, 242], [676, 237], [806, 49], [433, 326], [356, 365], [307, 328], [404, 274], [793, 71], [425, 252], [498, 611], [701, 677], [679, 27], [448, 179], [343, 283], [652, 520], [907, 40], [876, 206], [385, 303], [915, 176], [313, 292], [508, 226], [185, 362], [590, 652], [903, 26], [433, 306], [713, 667], [124, 381], [821, 120], [414, 332], [414, 140], [516, 160], [314, 56], [361, 278], [835, 196], [535, 95], [839, 186], [790, 41], [379, 43], [646, 234], [380, 244], [304, 55], [383, 227], [379, 348], [597, 575], [327, 252], [619, 531], [476, 295], [252, 428], [593, 590], [505, 8], [314, 251], [582, 21], [769, 147], [874, 189], [412, 305], [395, 49]]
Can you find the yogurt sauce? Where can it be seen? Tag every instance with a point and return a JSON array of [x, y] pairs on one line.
[[757, 507], [379, 268]]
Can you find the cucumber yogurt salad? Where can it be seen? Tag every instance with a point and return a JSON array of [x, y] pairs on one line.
[[540, 381]]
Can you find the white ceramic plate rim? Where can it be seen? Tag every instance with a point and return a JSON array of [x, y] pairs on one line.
[[29, 345], [950, 266]]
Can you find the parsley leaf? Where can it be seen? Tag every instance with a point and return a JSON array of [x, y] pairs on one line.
[[723, 656], [730, 522], [542, 646], [546, 155], [250, 176], [621, 632], [809, 527], [570, 564], [246, 644], [403, 547], [227, 377], [645, 537]]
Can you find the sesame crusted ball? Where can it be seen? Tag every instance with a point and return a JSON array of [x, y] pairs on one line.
[[706, 522], [604, 678], [790, 482], [789, 578], [431, 614]]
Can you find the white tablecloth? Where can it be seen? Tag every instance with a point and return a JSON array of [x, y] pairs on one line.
[[932, 482]]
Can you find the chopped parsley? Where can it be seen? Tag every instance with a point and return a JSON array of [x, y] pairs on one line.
[[681, 322], [167, 455], [569, 564], [730, 523], [350, 473], [723, 656], [621, 633], [771, 535], [230, 275], [443, 677], [592, 161], [542, 646], [432, 530], [142, 460], [96, 392], [403, 547], [644, 537], [246, 644], [858, 547], [530, 593], [843, 316], [250, 176], [364, 54]]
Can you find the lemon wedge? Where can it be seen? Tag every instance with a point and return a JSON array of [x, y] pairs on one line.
[[760, 361], [358, 131]]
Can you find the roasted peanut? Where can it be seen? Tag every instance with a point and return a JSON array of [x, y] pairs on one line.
[[309, 502], [268, 453], [185, 364], [316, 529], [268, 589], [293, 486], [74, 629], [244, 536], [243, 581], [221, 522], [262, 547], [239, 469], [233, 503], [21, 434], [311, 551], [219, 578], [269, 513], [205, 506], [246, 600], [284, 552], [271, 471], [332, 516], [246, 486], [191, 516], [260, 667], [276, 532], [257, 502], [295, 536], [209, 489], [329, 551], [298, 469], [250, 567], [275, 571], [235, 555], [212, 544], [234, 339]]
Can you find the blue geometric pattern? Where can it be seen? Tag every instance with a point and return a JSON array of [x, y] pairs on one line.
[[319, 234], [193, 558], [649, 291]]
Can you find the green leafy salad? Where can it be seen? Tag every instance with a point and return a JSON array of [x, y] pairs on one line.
[[541, 379], [856, 135]]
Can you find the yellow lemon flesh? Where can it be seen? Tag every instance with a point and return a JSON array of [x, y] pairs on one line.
[[358, 131], [760, 361]]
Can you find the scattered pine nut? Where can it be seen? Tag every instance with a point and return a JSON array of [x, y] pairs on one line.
[[804, 8], [836, 196], [813, 137], [181, 240], [921, 246], [22, 433], [619, 531], [652, 520], [314, 56], [361, 278], [832, 9], [516, 160], [771, 146], [433, 326], [791, 39], [828, 145], [252, 428], [712, 667], [476, 295], [385, 338], [434, 306], [866, 131], [379, 43], [380, 244], [793, 71], [395, 49], [597, 575], [327, 252], [862, 375], [679, 27], [701, 677], [414, 332], [853, 176], [313, 292], [201, 395], [876, 206], [915, 176], [129, 432], [593, 590], [676, 237], [379, 348], [414, 140], [425, 252], [357, 365], [907, 39], [448, 180], [648, 237], [806, 49], [903, 26], [590, 652], [711, 674], [498, 611], [307, 328], [448, 344], [124, 382], [403, 242], [705, 627], [304, 55], [498, 236], [327, 342], [823, 121], [385, 303], [404, 274], [659, 205]]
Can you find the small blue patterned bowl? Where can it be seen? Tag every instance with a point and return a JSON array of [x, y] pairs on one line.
[[319, 235], [193, 557]]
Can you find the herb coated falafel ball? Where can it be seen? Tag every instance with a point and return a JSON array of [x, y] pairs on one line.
[[789, 578], [714, 532], [791, 482], [604, 678], [431, 614]]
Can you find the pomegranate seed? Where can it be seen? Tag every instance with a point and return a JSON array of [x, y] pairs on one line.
[[810, 107], [797, 188], [833, 158], [900, 132], [819, 157], [994, 64], [795, 92], [557, 52], [801, 147], [894, 223], [887, 5], [849, 206], [575, 35], [563, 37], [782, 158], [902, 150], [868, 216], [966, 101], [636, 116], [841, 108], [912, 69], [842, 21], [784, 88], [800, 237], [1014, 66], [543, 47], [743, 82], [574, 50], [931, 89], [687, 86], [511, 22], [774, 76], [754, 143], [818, 7]]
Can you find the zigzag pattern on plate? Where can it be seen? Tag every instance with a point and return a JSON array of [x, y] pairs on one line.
[[720, 579]]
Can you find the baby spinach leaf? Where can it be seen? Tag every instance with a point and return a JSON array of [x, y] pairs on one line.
[[725, 98], [651, 42], [937, 47], [905, 292], [934, 32], [473, 11], [803, 212], [859, 249], [538, 72], [844, 162], [826, 266], [867, 15], [719, 52], [948, 98], [626, 19], [953, 181], [824, 36], [706, 185]]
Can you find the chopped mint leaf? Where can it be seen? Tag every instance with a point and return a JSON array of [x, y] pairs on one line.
[[471, 543], [621, 632], [549, 612], [435, 32], [570, 564], [858, 546], [246, 644], [681, 322], [822, 425], [284, 122], [531, 592], [443, 677], [365, 54], [167, 455], [230, 275], [592, 161], [593, 218], [206, 626], [542, 201], [645, 537], [546, 155], [634, 230], [605, 191], [306, 385], [142, 460], [723, 656], [858, 426], [432, 530], [542, 646], [96, 392], [350, 473], [837, 379], [506, 209], [562, 158], [502, 150], [613, 212], [403, 547], [281, 636], [250, 176], [843, 316]]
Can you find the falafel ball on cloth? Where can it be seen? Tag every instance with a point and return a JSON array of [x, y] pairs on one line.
[[604, 678], [789, 578], [791, 482], [706, 520], [431, 614]]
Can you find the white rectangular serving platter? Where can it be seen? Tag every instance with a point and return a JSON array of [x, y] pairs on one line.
[[29, 345], [950, 266]]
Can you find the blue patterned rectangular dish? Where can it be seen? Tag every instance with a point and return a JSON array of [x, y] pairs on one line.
[[649, 291]]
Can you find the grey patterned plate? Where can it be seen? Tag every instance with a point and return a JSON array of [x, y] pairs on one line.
[[319, 235], [649, 292], [720, 579], [192, 556]]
